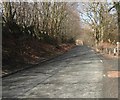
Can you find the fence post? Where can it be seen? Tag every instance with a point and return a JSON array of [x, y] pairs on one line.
[[118, 44], [114, 51]]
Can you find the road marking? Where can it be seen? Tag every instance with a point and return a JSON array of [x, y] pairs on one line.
[[101, 61], [92, 50], [104, 75]]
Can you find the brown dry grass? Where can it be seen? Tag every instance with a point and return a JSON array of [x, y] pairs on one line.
[[16, 54]]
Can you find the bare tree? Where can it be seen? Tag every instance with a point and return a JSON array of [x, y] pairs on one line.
[[96, 15]]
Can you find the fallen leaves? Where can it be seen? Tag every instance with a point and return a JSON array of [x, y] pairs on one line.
[[113, 74]]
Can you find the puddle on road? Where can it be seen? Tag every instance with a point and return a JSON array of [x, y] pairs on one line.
[[113, 74]]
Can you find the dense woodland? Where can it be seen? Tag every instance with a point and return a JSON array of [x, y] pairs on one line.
[[35, 29], [50, 22]]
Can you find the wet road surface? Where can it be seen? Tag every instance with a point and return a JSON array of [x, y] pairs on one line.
[[79, 73]]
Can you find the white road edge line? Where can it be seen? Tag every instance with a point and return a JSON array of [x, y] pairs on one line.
[[101, 61]]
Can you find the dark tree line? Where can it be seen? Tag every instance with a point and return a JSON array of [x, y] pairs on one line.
[[47, 21]]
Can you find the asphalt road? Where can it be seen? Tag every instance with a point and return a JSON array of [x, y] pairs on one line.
[[79, 73]]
